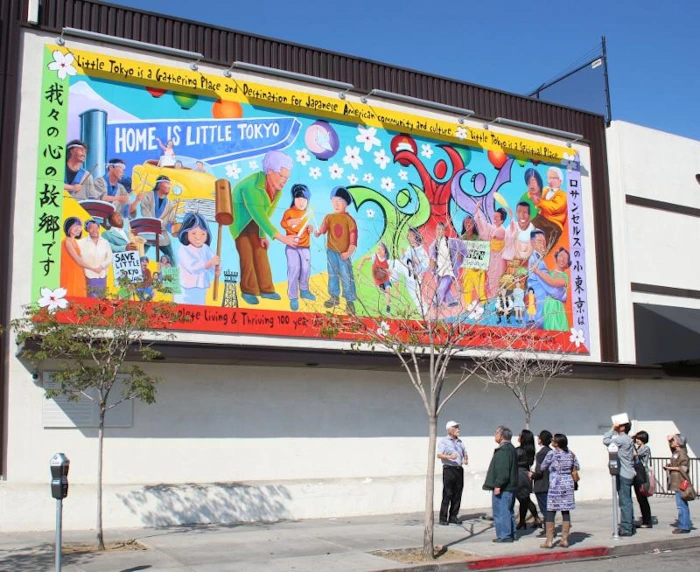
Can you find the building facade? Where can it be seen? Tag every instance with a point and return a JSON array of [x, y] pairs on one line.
[[258, 417]]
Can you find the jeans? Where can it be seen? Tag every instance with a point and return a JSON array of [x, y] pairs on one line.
[[624, 494], [340, 272], [542, 502], [452, 486], [503, 515], [683, 512]]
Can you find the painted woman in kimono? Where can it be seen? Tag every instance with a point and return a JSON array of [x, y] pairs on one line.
[[495, 233]]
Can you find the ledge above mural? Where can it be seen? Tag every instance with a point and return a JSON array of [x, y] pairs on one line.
[[264, 208]]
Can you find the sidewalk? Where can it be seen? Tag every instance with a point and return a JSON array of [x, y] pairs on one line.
[[327, 545]]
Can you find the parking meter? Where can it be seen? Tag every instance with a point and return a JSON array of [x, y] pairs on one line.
[[613, 460], [59, 476]]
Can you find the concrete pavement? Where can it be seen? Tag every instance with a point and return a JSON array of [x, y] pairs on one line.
[[333, 545]]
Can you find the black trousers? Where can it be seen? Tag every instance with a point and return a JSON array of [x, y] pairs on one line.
[[452, 485], [643, 505]]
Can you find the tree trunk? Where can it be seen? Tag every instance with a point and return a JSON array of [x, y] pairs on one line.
[[100, 450], [429, 517], [528, 416]]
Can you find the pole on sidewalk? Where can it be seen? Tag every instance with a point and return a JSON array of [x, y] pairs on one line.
[[59, 533], [616, 509]]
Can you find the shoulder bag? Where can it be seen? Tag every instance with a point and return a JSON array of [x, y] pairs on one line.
[[686, 487]]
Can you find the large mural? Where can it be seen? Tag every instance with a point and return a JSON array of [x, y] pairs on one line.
[[262, 207]]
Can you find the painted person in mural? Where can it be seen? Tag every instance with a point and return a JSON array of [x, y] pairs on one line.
[[97, 255], [197, 262], [109, 188], [254, 201], [446, 256], [157, 204], [341, 242], [120, 237], [495, 233], [78, 182], [539, 281]]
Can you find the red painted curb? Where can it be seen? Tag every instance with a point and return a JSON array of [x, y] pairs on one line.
[[525, 559]]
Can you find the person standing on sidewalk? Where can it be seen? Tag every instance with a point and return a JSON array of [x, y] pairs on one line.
[[561, 463], [619, 434], [540, 477], [677, 471], [643, 456], [453, 454], [502, 479], [526, 456]]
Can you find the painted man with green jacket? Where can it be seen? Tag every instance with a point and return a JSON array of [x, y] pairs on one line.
[[502, 479], [254, 200]]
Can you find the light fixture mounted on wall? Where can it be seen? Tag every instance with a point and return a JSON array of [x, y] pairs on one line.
[[570, 137], [461, 111], [137, 45], [254, 68]]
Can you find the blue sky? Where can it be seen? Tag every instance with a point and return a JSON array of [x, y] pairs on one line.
[[509, 45]]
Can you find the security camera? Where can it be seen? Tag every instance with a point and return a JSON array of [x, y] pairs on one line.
[[35, 375]]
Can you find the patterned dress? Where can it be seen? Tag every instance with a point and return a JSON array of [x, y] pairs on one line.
[[561, 483]]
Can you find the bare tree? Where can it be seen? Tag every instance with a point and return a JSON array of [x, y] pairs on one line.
[[91, 343], [524, 369]]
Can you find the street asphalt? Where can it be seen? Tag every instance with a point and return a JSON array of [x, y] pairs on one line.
[[329, 545]]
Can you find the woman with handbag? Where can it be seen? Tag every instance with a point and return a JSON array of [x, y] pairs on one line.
[[563, 473], [678, 481], [642, 462]]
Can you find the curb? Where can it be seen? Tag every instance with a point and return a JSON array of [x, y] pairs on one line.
[[535, 558]]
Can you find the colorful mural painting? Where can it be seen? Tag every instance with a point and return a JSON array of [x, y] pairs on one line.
[[261, 207]]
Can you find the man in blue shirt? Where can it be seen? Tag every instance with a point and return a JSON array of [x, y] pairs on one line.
[[619, 435], [452, 453]]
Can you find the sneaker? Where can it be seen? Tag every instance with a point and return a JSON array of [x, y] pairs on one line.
[[271, 295], [454, 521], [680, 531], [306, 295], [294, 304], [331, 302], [249, 298], [351, 308], [444, 523]]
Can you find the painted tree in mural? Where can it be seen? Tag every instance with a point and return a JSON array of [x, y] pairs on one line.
[[92, 345]]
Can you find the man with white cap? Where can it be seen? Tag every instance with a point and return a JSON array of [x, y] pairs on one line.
[[453, 454]]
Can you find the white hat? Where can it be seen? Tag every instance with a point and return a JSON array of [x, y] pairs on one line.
[[451, 424]]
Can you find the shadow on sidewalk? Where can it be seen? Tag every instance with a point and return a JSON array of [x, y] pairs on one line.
[[197, 504], [38, 559]]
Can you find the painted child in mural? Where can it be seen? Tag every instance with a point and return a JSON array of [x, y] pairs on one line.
[[504, 306], [496, 233], [446, 257], [519, 300], [197, 261], [167, 159], [412, 264], [381, 273], [295, 221], [531, 303], [473, 274], [144, 291], [341, 243], [554, 309], [78, 181]]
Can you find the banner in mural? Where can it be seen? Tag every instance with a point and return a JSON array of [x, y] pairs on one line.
[[262, 207]]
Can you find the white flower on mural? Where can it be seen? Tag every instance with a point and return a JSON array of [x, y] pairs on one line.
[[475, 310], [381, 159], [352, 157], [63, 64], [53, 299], [369, 213], [368, 177], [461, 133], [352, 179], [577, 337], [426, 150], [388, 184], [368, 137], [383, 329], [233, 171], [253, 165], [403, 175], [335, 171], [315, 173], [303, 156]]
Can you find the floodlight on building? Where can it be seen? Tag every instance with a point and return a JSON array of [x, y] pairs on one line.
[[137, 45], [461, 111], [254, 68], [570, 137]]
